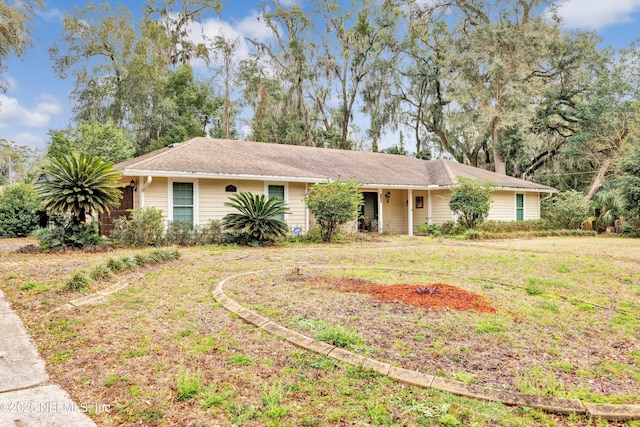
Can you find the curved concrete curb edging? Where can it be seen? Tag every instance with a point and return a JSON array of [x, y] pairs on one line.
[[98, 297], [549, 404]]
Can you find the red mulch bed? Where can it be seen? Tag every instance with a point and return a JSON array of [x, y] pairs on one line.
[[446, 297]]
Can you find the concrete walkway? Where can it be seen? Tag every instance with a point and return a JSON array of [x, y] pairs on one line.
[[550, 404], [27, 399]]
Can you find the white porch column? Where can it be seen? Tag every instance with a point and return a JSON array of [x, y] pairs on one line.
[[142, 188], [306, 209], [429, 219], [380, 206], [410, 212]]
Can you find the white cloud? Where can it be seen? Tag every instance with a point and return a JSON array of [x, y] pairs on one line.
[[13, 114], [596, 14], [50, 14], [10, 82], [251, 26], [26, 138]]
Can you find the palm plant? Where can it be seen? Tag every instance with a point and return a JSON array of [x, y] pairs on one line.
[[607, 205], [80, 185], [257, 219]]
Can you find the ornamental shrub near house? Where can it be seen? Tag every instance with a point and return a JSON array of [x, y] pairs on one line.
[[471, 201], [334, 204], [19, 210], [257, 220]]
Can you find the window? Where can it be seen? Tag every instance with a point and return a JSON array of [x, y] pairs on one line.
[[519, 207], [183, 202], [276, 191]]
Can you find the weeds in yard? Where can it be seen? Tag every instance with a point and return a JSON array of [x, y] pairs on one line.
[[626, 323], [114, 379], [173, 307], [216, 395], [539, 382], [79, 281], [34, 287], [101, 272], [271, 402], [188, 384], [490, 326], [241, 359], [340, 336], [549, 283]]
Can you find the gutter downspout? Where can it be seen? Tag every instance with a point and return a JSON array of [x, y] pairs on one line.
[[143, 189]]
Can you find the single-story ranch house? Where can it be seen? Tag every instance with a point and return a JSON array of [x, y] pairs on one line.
[[192, 181]]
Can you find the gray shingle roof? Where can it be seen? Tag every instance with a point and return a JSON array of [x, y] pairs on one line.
[[206, 157]]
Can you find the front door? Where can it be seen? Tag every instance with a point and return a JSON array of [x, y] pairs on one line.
[[126, 203]]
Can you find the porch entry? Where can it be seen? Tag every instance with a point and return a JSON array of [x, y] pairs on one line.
[[126, 203], [368, 215]]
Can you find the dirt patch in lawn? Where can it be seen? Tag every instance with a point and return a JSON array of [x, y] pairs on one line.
[[434, 296]]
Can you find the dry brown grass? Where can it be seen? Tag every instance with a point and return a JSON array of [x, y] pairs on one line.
[[129, 353]]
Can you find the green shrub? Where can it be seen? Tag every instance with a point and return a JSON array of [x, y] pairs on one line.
[[19, 210], [334, 204], [429, 230], [180, 233], [101, 272], [115, 264], [68, 235], [256, 221], [144, 227], [471, 201], [514, 226], [209, 234], [566, 210]]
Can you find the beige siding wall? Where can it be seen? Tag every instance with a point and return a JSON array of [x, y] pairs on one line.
[[295, 201], [156, 194], [503, 206], [212, 198], [394, 213], [440, 211], [531, 206]]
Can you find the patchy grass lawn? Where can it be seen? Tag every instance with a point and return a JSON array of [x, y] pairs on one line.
[[163, 352]]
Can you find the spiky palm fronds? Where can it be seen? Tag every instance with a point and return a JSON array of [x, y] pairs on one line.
[[257, 217], [79, 184]]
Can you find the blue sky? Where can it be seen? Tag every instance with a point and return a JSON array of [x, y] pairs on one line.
[[38, 101]]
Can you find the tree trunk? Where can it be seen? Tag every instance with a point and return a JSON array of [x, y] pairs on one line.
[[597, 182], [498, 162]]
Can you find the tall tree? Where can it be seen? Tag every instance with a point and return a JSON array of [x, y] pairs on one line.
[[350, 44], [16, 162], [482, 72], [107, 141], [288, 55], [14, 29], [173, 18], [224, 51], [133, 73], [97, 46]]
